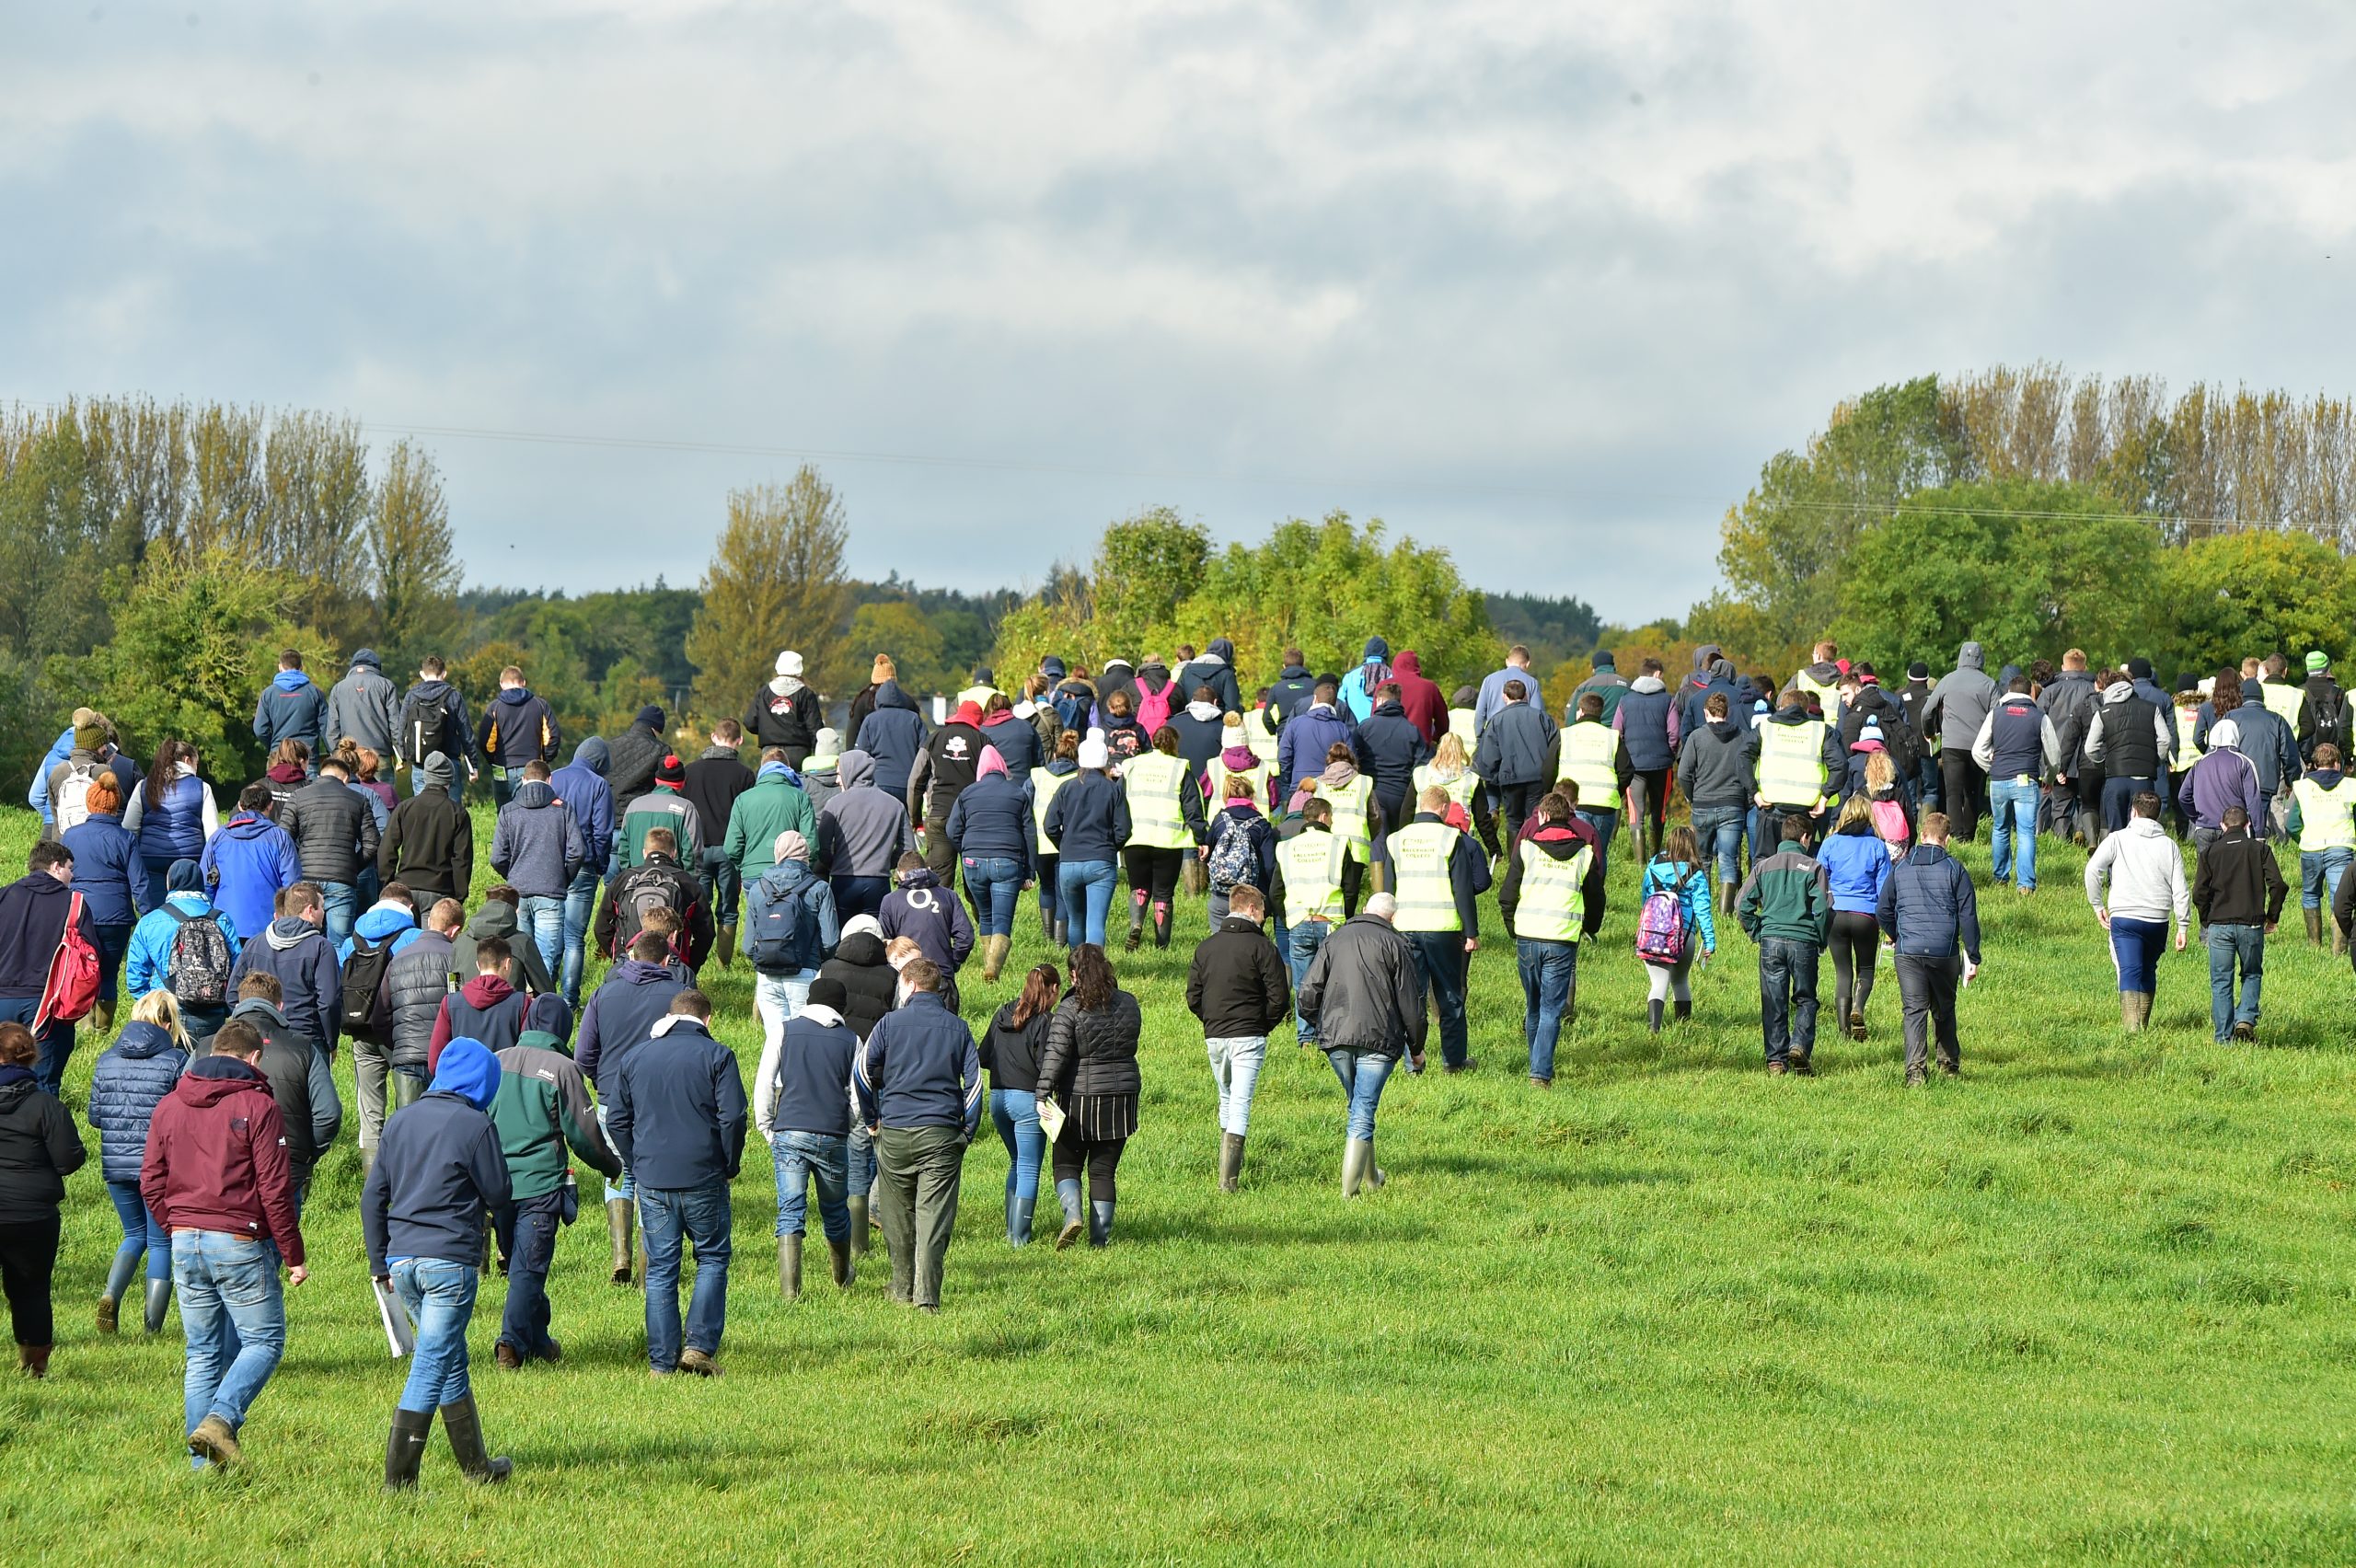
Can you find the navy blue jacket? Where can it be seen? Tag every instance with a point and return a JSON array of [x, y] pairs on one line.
[[814, 1078], [1089, 819], [1517, 745], [1643, 719], [291, 709], [1015, 741], [1392, 748], [1928, 906], [624, 1010], [820, 930], [894, 734], [992, 818], [932, 917], [676, 1114], [517, 728], [33, 922], [920, 1068], [126, 1086], [309, 979], [109, 871], [1302, 744], [581, 784], [439, 1173]]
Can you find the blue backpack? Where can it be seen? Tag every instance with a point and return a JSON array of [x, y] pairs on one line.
[[776, 938]]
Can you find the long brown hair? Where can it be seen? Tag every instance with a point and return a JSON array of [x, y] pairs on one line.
[[1041, 988], [2227, 694], [1093, 984], [165, 774]]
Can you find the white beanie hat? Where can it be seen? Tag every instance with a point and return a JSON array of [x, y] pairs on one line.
[[1092, 753], [2224, 732], [789, 664]]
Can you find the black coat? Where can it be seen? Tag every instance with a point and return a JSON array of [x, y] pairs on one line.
[[789, 721], [1011, 1055], [429, 845], [334, 830], [1092, 1052], [1364, 992], [632, 758], [872, 982], [1238, 984], [38, 1148]]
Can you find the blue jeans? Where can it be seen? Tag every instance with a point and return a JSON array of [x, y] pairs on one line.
[[528, 1240], [995, 884], [1299, 952], [1236, 1061], [1549, 970], [540, 918], [1362, 1076], [1603, 821], [1087, 889], [2135, 949], [342, 902], [1016, 1116], [2229, 946], [440, 1298], [1441, 956], [802, 1158], [2319, 874], [141, 1232], [2013, 807], [579, 905], [1787, 996], [52, 1044], [1719, 829], [668, 1219], [722, 883], [860, 895], [859, 1158], [235, 1318]]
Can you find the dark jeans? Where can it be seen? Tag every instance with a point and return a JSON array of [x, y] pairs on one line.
[[919, 1170], [1549, 971], [1440, 955], [700, 1215], [27, 1260], [1484, 813], [1520, 802], [113, 942], [861, 895], [723, 885], [1650, 787], [1719, 830], [1963, 788], [1301, 942], [53, 1043], [528, 1240], [2118, 800], [1926, 986], [1787, 996], [2231, 947]]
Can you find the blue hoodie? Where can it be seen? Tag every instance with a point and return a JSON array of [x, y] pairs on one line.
[[581, 784], [894, 734], [310, 982], [291, 709], [1358, 685], [148, 960], [378, 923], [1856, 865], [439, 1173], [247, 864]]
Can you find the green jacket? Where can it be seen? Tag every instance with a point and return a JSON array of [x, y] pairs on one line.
[[542, 1105], [1787, 898], [661, 806], [770, 807]]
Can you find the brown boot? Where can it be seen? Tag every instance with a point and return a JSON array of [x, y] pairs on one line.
[[2314, 926], [619, 1216], [1230, 1160], [845, 1270]]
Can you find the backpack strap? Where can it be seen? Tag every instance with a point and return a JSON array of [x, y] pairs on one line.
[[180, 918]]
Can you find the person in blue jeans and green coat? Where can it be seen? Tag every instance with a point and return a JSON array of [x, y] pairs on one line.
[[1785, 906], [425, 1210]]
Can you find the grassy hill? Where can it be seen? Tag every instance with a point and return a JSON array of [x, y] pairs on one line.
[[2091, 1302]]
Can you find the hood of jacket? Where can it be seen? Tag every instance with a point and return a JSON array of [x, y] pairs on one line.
[[469, 1070], [1728, 729], [244, 827], [535, 794], [1824, 672], [2117, 691], [864, 949], [212, 1079], [514, 696], [254, 1007], [889, 694], [1706, 655], [992, 763], [921, 877], [141, 1041], [486, 991], [786, 878], [1377, 651], [291, 931], [495, 918], [1560, 841], [1204, 712], [592, 753], [855, 770], [785, 685], [1408, 663], [385, 920], [1645, 686], [367, 659], [1972, 656], [291, 680], [286, 773], [1221, 650]]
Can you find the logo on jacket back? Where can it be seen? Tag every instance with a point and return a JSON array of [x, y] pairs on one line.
[[957, 747]]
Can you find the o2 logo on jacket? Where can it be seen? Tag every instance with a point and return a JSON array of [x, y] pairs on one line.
[[920, 898]]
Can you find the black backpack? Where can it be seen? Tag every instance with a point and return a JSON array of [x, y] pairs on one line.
[[197, 972], [638, 890], [364, 978], [423, 721]]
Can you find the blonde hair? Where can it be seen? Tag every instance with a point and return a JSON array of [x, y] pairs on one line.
[[161, 1008], [1448, 760], [1880, 772], [1856, 808]]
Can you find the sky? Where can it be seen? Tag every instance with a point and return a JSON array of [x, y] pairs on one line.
[[1544, 284]]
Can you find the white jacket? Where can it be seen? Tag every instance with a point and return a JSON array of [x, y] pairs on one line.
[[2146, 872]]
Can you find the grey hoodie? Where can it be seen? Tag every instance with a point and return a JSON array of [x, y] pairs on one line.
[[1959, 704], [863, 831], [537, 845], [365, 707]]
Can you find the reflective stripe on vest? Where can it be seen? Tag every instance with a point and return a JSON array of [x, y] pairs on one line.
[[2327, 817], [1550, 907], [2282, 700], [1258, 736], [1791, 763], [1257, 773], [1044, 786], [1151, 781], [1419, 857], [1312, 863], [1590, 747], [2187, 748], [1349, 815], [1459, 789]]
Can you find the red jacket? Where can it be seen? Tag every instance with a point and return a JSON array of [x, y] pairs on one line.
[[216, 1158], [1425, 704]]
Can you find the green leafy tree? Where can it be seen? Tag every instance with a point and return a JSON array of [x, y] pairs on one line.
[[898, 628], [413, 564], [2234, 595], [776, 582]]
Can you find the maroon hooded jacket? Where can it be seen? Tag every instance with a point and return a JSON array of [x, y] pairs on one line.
[[216, 1158], [1420, 697]]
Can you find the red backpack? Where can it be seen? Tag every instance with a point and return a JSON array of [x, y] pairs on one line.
[[71, 989]]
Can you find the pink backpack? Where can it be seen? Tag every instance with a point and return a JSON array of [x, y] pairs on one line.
[[1662, 935], [1153, 709], [1889, 823]]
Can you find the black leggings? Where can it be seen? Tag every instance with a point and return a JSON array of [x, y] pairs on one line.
[[1855, 937], [1102, 1156], [28, 1261], [1153, 877]]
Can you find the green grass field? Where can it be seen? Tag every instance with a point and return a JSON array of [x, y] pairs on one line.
[[2091, 1302]]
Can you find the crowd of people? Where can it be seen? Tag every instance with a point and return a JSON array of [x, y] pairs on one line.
[[1342, 828]]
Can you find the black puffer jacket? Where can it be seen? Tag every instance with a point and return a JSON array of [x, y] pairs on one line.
[[1092, 1052], [38, 1148], [415, 982], [632, 757], [1364, 992], [333, 828], [859, 963]]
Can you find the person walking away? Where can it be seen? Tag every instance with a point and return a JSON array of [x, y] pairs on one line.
[[1008, 1050], [863, 832], [1306, 896], [1357, 819], [1087, 820], [1929, 911], [677, 1118], [1553, 899], [1718, 771], [1786, 905], [288, 772], [541, 1110], [1420, 697], [821, 773], [580, 785], [1201, 728], [945, 770], [433, 717], [1364, 992], [215, 1172], [1239, 988], [785, 713], [2144, 871], [895, 735], [1820, 682], [39, 1149], [291, 707], [1357, 690], [1292, 691], [129, 1081], [300, 1081], [2223, 778], [2016, 745], [1014, 736], [1393, 748], [250, 862], [172, 815], [1914, 698], [496, 917], [1214, 668], [2264, 739], [1646, 719], [1165, 823], [429, 841], [1799, 761], [1441, 874], [2326, 705], [871, 986], [1492, 695], [62, 797], [485, 1009], [2287, 700], [716, 780], [930, 915], [990, 829], [334, 831], [1450, 769], [1856, 867], [1594, 759], [295, 950], [632, 759], [1089, 1066], [792, 931], [919, 1083], [1305, 743], [1242, 850], [426, 1210], [658, 882], [2239, 892], [1606, 683], [365, 707], [663, 808], [537, 847], [112, 881], [389, 1075], [1046, 860], [2323, 817], [622, 1013], [2071, 700], [882, 670], [35, 913], [802, 1096], [2126, 747], [1954, 712], [1680, 877]]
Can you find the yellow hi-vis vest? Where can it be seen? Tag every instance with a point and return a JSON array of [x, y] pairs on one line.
[[1550, 908], [1258, 736], [1044, 786], [1258, 773], [1419, 855], [1151, 781], [2188, 750], [1791, 763], [2282, 699], [1460, 724], [1591, 748], [1459, 789], [1822, 693], [1310, 863], [2327, 817], [979, 695], [1350, 803]]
